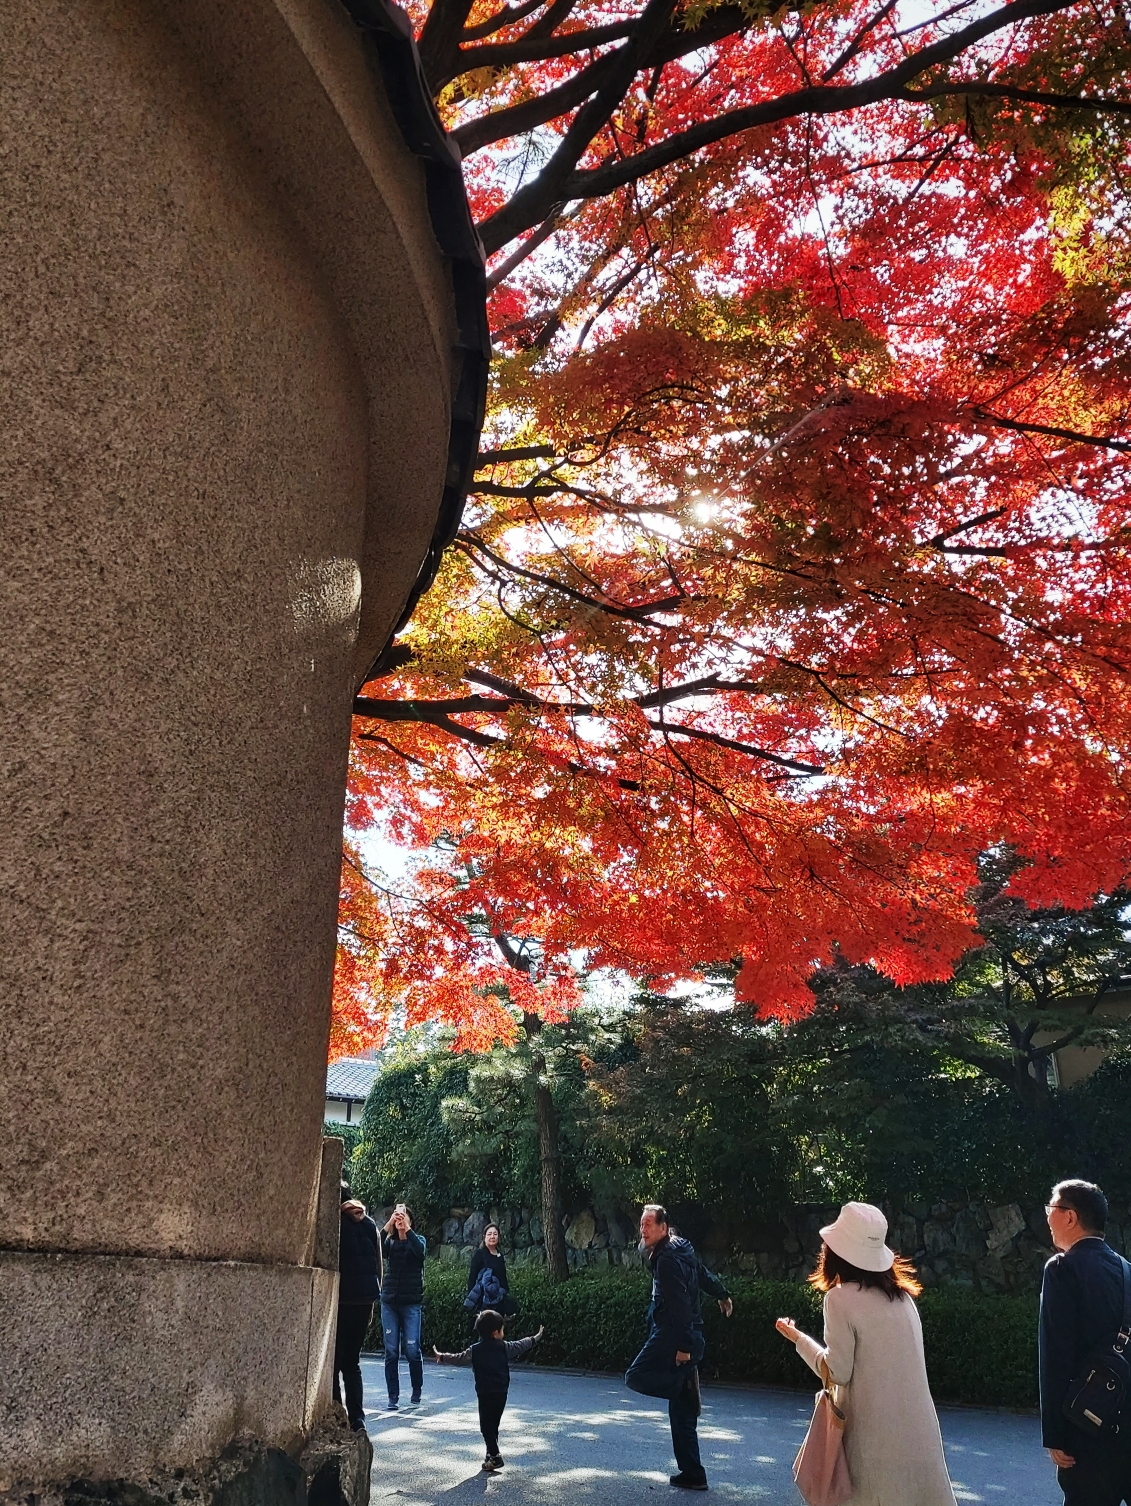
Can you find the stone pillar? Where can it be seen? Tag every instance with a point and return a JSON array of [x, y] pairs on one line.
[[230, 341]]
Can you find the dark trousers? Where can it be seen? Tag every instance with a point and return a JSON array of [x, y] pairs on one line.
[[353, 1324], [654, 1372], [683, 1418], [492, 1405], [1097, 1479]]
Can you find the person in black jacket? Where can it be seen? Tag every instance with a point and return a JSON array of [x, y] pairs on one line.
[[667, 1364], [489, 1358], [1081, 1311], [489, 1257], [359, 1286], [402, 1296]]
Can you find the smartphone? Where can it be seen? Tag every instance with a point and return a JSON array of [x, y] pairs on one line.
[[401, 1208]]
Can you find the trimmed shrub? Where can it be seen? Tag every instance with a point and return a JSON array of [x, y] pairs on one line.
[[980, 1350]]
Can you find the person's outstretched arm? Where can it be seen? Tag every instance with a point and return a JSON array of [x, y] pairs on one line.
[[517, 1349], [462, 1358], [839, 1349]]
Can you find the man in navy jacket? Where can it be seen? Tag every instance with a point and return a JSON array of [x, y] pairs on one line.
[[666, 1366], [1081, 1311]]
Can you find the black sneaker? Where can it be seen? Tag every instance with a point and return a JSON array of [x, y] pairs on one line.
[[498, 1461], [489, 1465], [689, 1482], [415, 1398]]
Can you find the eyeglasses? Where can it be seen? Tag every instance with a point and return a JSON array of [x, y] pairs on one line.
[[1056, 1208]]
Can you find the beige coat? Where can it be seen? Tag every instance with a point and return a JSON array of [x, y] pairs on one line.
[[874, 1350]]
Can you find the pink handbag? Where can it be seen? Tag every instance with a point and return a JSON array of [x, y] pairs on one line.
[[820, 1470]]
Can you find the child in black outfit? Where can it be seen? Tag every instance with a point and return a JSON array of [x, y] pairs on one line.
[[489, 1358]]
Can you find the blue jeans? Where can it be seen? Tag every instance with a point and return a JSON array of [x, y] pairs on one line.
[[401, 1327], [654, 1372]]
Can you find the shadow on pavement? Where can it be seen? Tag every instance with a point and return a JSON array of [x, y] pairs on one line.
[[585, 1440]]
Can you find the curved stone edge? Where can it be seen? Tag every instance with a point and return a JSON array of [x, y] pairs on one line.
[[390, 32]]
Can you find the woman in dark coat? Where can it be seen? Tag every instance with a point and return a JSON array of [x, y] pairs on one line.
[[359, 1286], [489, 1257]]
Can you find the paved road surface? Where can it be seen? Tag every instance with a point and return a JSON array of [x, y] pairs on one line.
[[578, 1440]]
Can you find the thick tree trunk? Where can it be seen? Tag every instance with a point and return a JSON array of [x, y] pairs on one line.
[[547, 1114], [546, 1117], [549, 1157]]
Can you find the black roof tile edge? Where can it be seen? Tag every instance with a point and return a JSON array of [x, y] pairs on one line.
[[390, 32]]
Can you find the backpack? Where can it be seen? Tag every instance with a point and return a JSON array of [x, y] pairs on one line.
[[1096, 1397]]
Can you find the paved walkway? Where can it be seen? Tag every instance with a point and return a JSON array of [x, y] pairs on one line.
[[585, 1439]]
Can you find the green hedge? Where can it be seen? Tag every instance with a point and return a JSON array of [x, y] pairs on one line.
[[980, 1350]]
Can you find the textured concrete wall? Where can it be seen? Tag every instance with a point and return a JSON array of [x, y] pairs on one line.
[[224, 421]]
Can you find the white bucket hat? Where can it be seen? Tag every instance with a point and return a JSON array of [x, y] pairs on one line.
[[859, 1236]]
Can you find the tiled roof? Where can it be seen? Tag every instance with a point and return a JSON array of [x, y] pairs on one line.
[[352, 1077]]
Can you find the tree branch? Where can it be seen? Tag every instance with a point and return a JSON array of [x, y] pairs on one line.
[[514, 120], [469, 543], [840, 63], [671, 730], [949, 533], [439, 40], [499, 274], [519, 452], [1071, 434], [590, 119], [418, 711], [1025, 96], [505, 17], [539, 49], [530, 204]]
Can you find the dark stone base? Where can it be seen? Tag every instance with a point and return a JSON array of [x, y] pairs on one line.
[[333, 1469]]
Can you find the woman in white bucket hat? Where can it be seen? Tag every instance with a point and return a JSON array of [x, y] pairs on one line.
[[874, 1351]]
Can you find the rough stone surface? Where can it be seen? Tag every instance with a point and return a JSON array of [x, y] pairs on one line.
[[225, 427], [473, 1228], [1005, 1224], [333, 1470], [580, 1230], [328, 1223], [165, 1361], [225, 424], [337, 1464]]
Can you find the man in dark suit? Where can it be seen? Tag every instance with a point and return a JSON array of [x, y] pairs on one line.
[[1081, 1311]]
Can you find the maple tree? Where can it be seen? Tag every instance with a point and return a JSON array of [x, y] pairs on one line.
[[795, 574]]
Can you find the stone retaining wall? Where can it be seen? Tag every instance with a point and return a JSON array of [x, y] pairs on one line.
[[985, 1247]]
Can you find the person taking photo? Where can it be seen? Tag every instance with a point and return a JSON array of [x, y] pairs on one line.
[[402, 1298]]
